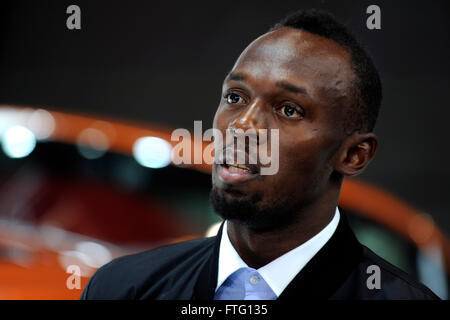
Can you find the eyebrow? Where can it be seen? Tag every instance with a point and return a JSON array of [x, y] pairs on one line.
[[291, 88], [237, 76]]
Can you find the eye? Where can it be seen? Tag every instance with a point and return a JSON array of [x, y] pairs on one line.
[[233, 98], [291, 111]]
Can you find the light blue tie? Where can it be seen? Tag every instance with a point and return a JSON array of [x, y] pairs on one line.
[[245, 284]]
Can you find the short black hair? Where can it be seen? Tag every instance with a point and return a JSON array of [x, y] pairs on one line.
[[363, 114]]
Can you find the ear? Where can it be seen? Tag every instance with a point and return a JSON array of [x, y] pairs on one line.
[[355, 153]]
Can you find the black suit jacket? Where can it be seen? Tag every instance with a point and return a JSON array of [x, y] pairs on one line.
[[188, 271]]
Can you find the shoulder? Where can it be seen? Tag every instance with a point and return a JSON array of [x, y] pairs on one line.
[[158, 257], [128, 277], [394, 283]]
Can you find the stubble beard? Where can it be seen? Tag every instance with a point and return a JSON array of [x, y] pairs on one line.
[[252, 213]]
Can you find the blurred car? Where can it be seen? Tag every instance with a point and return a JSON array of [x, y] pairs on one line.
[[77, 191]]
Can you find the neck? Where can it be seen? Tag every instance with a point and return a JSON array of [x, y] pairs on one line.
[[259, 248]]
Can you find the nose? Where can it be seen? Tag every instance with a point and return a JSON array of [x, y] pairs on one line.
[[251, 122], [251, 118]]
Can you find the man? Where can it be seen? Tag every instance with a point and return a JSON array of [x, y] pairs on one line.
[[283, 235]]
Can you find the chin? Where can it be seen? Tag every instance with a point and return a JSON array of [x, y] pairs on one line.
[[249, 210]]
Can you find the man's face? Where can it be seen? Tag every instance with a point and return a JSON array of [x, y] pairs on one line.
[[298, 83]]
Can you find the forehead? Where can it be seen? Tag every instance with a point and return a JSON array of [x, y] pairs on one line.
[[297, 56]]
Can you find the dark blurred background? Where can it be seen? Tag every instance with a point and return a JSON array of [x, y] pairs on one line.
[[164, 62]]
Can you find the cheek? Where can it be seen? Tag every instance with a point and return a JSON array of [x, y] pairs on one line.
[[216, 117], [222, 118], [303, 162]]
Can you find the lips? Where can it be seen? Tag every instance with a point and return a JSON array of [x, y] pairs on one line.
[[235, 173], [238, 168], [231, 168]]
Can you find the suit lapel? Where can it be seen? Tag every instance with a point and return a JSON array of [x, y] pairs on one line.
[[207, 280], [319, 279], [329, 268]]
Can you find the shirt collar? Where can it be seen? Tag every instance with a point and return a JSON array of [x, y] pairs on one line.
[[279, 272]]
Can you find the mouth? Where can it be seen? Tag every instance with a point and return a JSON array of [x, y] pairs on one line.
[[233, 173]]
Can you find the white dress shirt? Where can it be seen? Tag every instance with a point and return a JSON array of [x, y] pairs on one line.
[[279, 272]]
